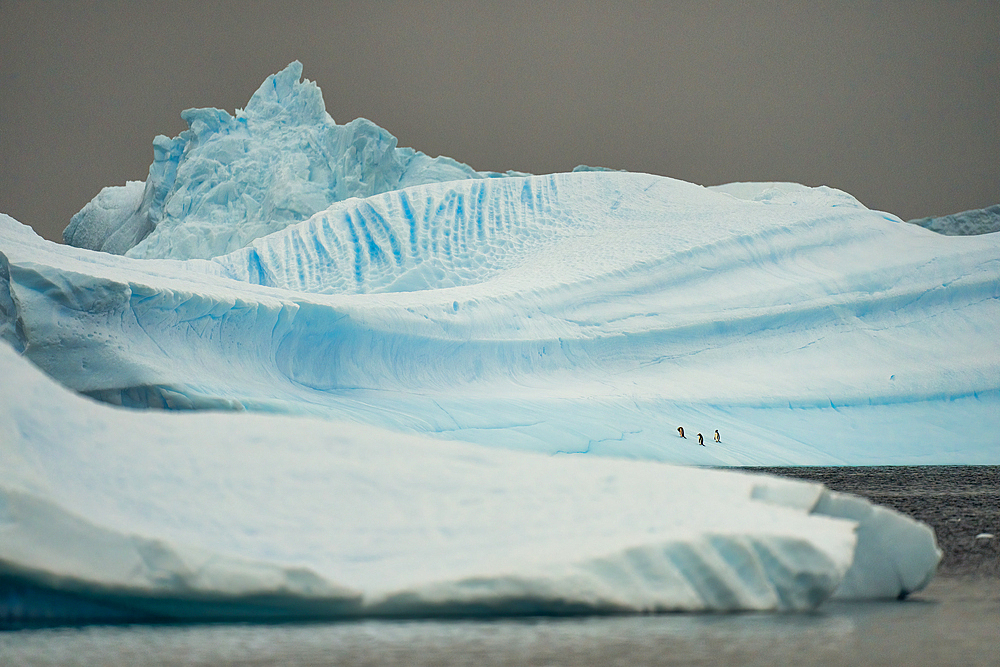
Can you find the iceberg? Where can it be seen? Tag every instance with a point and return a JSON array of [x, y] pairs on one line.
[[274, 163], [209, 516], [580, 312], [966, 223], [338, 378]]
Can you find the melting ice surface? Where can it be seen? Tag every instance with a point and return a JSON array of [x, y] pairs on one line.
[[369, 318]]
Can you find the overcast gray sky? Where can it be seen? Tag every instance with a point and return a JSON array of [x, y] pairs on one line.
[[897, 103]]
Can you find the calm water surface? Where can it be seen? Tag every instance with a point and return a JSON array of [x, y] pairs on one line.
[[956, 621]]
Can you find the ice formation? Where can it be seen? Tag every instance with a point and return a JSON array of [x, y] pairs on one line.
[[274, 163], [967, 223], [584, 312], [234, 515], [386, 303]]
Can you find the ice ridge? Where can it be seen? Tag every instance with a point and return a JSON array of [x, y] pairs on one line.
[[230, 179], [968, 223]]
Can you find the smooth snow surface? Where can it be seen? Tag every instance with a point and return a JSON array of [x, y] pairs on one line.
[[236, 515]]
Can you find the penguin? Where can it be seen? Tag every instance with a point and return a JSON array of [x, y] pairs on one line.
[[718, 438], [701, 440], [680, 429]]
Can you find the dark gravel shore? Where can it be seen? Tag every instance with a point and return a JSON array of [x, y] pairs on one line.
[[961, 503]]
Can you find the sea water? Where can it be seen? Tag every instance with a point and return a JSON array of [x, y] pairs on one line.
[[956, 620]]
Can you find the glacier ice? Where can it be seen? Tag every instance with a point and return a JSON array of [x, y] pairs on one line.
[[589, 311], [967, 223], [237, 515], [366, 315], [276, 162]]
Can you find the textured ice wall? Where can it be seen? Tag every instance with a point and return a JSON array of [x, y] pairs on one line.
[[967, 223], [230, 179], [235, 515]]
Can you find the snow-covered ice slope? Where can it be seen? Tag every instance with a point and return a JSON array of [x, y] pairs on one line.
[[236, 515], [585, 312]]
